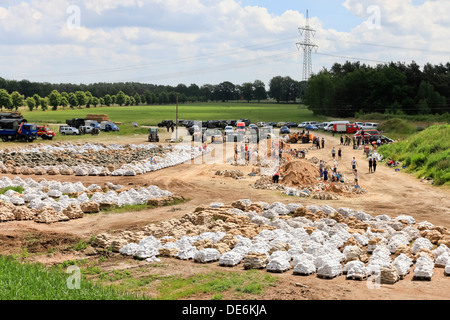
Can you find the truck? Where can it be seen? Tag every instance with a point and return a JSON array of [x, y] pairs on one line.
[[75, 122], [45, 133], [17, 129], [345, 128], [92, 123], [108, 126]]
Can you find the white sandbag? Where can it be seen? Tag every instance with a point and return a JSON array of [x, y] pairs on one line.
[[207, 255], [129, 249], [304, 267], [351, 264], [442, 260], [186, 253], [396, 240], [330, 269], [424, 268], [408, 219], [403, 264], [421, 243], [230, 259], [278, 264]]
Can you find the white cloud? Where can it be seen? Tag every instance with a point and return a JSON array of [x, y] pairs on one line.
[[205, 34]]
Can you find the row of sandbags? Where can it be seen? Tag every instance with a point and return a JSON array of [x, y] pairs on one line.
[[324, 251]]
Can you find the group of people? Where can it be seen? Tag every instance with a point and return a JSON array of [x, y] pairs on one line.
[[318, 142], [334, 176], [246, 154]]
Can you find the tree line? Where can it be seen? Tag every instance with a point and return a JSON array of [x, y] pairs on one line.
[[394, 88], [34, 95]]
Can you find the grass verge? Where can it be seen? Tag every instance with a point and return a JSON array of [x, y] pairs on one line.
[[426, 154]]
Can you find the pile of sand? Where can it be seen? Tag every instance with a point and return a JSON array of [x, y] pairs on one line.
[[299, 173]]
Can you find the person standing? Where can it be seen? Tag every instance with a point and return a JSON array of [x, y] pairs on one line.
[[321, 165], [354, 164], [325, 175], [333, 153], [323, 143], [342, 139], [356, 178], [340, 154], [374, 165], [335, 166], [370, 165]]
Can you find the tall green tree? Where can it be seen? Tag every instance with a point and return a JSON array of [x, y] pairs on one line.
[[81, 98], [54, 99], [260, 90], [17, 100], [121, 98], [5, 100], [30, 103], [44, 104], [247, 91], [73, 101], [276, 88], [108, 100]]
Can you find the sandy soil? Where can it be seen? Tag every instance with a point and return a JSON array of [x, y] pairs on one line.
[[389, 192]]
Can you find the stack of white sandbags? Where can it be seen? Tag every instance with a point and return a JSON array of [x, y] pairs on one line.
[[424, 268], [304, 265], [403, 264], [207, 255]]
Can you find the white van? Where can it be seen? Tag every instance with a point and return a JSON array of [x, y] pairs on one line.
[[330, 125], [369, 126]]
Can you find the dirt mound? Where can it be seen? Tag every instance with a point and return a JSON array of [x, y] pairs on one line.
[[299, 173]]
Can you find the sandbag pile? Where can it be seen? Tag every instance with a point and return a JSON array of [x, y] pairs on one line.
[[309, 240], [52, 201], [93, 159]]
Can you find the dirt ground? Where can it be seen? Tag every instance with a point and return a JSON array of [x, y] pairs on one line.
[[389, 192]]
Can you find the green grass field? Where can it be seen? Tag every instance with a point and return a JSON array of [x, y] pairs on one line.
[[152, 115]]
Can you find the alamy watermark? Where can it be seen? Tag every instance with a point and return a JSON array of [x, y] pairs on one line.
[[74, 20], [374, 20], [74, 280]]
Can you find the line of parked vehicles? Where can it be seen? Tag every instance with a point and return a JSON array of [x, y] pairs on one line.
[[13, 127], [77, 126], [219, 131]]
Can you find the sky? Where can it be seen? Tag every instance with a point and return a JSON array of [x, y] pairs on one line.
[[168, 42]]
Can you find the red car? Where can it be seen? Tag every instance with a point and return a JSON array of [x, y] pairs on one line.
[[372, 134]]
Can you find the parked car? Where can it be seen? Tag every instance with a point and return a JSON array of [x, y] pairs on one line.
[[311, 127], [253, 126], [373, 134], [359, 124], [285, 130], [66, 130], [322, 125], [261, 124], [271, 124], [229, 129], [304, 124], [369, 125], [291, 124], [281, 124]]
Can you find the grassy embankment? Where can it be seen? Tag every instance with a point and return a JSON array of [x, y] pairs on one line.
[[425, 154]]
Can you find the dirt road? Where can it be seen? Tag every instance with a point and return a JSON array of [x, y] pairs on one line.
[[389, 192]]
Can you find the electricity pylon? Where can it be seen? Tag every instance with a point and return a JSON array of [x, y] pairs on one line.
[[308, 46]]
